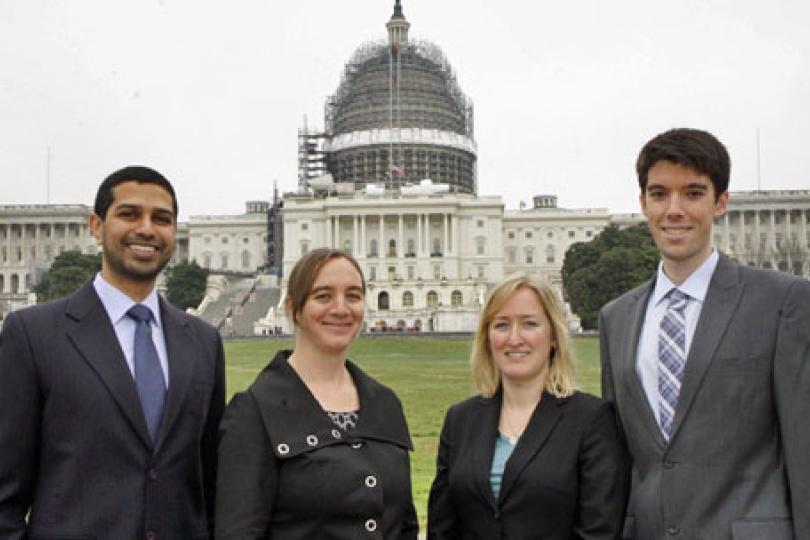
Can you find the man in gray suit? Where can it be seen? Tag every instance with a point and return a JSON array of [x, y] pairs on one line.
[[110, 398], [708, 364]]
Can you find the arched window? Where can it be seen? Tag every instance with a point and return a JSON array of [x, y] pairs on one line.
[[392, 248], [432, 300], [372, 252], [407, 299], [246, 259], [383, 303], [456, 299]]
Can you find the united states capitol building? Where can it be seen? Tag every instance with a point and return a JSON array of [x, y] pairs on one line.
[[392, 179]]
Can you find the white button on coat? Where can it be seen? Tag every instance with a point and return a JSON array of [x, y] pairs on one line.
[[283, 449], [312, 440], [371, 525], [371, 481]]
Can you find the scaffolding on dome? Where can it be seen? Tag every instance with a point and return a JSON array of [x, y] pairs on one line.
[[429, 94]]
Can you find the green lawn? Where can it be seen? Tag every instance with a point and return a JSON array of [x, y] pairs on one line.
[[428, 375]]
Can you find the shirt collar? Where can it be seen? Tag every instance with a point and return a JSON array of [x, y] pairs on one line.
[[696, 285], [117, 303]]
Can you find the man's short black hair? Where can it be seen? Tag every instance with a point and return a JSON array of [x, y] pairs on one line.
[[692, 148], [133, 173]]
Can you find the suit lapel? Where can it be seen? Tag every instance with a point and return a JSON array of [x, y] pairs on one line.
[[93, 336], [638, 311], [722, 298], [542, 423], [482, 442], [181, 354]]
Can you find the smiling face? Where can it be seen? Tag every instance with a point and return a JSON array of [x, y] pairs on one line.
[[333, 311], [521, 338], [681, 205], [137, 236]]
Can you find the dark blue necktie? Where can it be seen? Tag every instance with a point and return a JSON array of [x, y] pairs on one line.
[[148, 373]]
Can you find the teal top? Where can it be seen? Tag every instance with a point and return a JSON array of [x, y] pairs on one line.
[[503, 449]]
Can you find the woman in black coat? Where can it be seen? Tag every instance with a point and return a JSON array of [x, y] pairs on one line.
[[530, 458], [315, 448]]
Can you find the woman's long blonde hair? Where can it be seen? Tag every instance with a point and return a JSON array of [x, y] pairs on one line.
[[560, 380]]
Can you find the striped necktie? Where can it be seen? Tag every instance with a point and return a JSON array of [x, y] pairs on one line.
[[671, 358], [148, 373]]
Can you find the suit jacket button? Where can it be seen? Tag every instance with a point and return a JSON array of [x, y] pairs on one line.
[[371, 525], [673, 530], [153, 474], [371, 481]]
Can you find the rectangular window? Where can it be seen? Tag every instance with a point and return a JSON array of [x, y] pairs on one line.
[[437, 271]]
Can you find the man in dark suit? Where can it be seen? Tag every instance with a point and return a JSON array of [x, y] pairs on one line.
[[709, 366], [110, 398]]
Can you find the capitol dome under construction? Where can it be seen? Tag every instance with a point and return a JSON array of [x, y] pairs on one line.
[[398, 117]]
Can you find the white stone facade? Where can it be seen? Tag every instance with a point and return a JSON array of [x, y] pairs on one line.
[[31, 236], [769, 229], [235, 244], [427, 258]]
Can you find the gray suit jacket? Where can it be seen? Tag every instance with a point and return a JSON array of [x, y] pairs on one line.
[[738, 462], [74, 449]]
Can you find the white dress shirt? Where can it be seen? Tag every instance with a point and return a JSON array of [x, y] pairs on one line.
[[696, 286], [117, 303]]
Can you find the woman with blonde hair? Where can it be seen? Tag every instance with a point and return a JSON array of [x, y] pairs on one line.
[[530, 457], [315, 448]]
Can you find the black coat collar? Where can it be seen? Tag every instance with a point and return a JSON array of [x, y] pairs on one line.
[[293, 417], [541, 424]]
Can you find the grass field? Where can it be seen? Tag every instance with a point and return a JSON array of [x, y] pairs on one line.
[[428, 375]]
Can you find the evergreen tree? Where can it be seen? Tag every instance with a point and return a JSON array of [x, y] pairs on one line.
[[185, 284], [69, 271], [611, 264]]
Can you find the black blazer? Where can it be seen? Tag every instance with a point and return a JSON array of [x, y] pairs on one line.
[[73, 440], [566, 478], [287, 472]]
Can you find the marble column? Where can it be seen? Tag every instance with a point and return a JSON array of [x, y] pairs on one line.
[[381, 247], [400, 247]]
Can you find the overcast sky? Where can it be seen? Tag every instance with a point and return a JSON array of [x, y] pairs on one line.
[[212, 93]]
